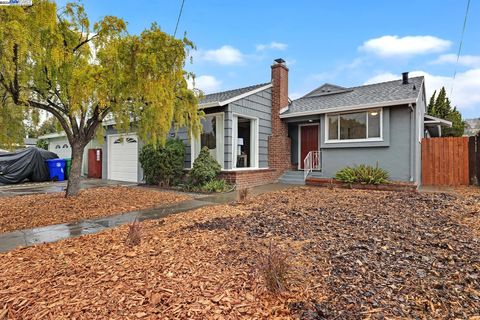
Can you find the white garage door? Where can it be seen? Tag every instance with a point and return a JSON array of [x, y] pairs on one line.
[[123, 157]]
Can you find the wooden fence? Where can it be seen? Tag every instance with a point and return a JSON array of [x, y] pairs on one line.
[[445, 161]]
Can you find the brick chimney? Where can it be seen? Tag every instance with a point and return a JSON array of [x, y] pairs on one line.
[[279, 143]]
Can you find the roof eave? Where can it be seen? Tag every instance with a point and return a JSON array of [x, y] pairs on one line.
[[350, 108], [233, 99], [437, 121]]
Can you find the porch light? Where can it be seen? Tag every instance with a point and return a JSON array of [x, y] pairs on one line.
[[374, 113]]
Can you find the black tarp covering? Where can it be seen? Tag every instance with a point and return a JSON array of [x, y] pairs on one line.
[[26, 164]]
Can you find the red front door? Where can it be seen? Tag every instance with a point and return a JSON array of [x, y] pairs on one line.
[[308, 141]]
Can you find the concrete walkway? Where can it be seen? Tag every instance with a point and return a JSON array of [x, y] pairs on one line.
[[52, 233]]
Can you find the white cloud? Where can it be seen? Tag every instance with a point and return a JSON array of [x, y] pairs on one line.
[[382, 77], [464, 60], [465, 91], [295, 95], [272, 46], [206, 83], [225, 55], [395, 46]]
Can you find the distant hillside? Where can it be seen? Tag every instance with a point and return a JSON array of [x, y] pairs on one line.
[[472, 126]]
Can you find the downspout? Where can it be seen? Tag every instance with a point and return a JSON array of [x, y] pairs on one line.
[[412, 141]]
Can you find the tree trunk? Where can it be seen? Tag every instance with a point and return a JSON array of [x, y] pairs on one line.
[[73, 186]]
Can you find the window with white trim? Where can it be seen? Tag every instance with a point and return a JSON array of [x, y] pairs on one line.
[[245, 142], [212, 137], [354, 126]]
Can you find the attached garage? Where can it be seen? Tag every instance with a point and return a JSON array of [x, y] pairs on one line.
[[123, 157]]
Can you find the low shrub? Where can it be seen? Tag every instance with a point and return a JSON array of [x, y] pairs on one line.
[[134, 235], [216, 186], [243, 194], [163, 165], [274, 268], [363, 174], [205, 168]]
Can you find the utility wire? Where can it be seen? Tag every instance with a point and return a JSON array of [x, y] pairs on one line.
[[460, 46], [180, 14]]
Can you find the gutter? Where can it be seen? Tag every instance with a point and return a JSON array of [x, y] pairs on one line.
[[412, 141], [350, 108]]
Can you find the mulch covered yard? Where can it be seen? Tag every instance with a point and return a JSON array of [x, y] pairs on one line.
[[352, 254], [23, 212]]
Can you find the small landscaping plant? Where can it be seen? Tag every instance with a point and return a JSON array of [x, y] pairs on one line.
[[134, 235], [216, 185], [363, 174], [274, 268], [204, 174], [243, 194], [205, 168], [163, 165]]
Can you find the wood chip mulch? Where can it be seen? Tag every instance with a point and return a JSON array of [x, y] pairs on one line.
[[353, 254], [24, 212]]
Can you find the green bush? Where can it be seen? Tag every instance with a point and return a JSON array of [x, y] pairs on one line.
[[42, 144], [216, 186], [362, 174], [163, 164], [205, 168]]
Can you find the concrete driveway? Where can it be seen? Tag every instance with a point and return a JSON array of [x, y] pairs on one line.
[[52, 187]]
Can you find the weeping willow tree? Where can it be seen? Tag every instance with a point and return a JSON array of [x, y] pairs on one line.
[[55, 60]]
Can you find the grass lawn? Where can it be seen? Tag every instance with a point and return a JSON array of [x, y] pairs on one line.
[[351, 254], [23, 212]]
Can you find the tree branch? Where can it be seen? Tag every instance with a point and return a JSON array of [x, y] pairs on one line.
[[87, 40], [57, 114]]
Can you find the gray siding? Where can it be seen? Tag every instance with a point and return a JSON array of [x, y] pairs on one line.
[[399, 152], [420, 110], [184, 136], [258, 106], [393, 156]]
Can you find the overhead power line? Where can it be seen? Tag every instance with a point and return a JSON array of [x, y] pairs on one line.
[[460, 46], [178, 19]]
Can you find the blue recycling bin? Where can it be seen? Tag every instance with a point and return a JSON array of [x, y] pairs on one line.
[[56, 167]]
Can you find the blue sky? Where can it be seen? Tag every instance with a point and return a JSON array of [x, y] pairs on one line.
[[342, 42]]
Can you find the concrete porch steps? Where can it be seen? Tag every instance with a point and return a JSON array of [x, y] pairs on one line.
[[296, 177]]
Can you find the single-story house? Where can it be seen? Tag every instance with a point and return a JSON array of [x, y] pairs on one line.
[[258, 135]]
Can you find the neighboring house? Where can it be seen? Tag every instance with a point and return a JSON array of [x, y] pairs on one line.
[[259, 135], [58, 144], [30, 142]]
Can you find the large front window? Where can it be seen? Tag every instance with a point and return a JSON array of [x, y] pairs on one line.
[[211, 137], [245, 142], [363, 125]]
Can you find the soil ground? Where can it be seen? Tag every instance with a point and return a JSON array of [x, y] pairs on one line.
[[29, 211], [351, 254]]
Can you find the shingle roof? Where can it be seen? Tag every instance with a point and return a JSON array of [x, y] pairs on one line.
[[378, 93], [230, 94]]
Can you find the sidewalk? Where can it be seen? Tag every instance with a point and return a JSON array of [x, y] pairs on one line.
[[52, 233]]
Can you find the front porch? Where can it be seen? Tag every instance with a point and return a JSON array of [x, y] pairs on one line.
[[306, 156]]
